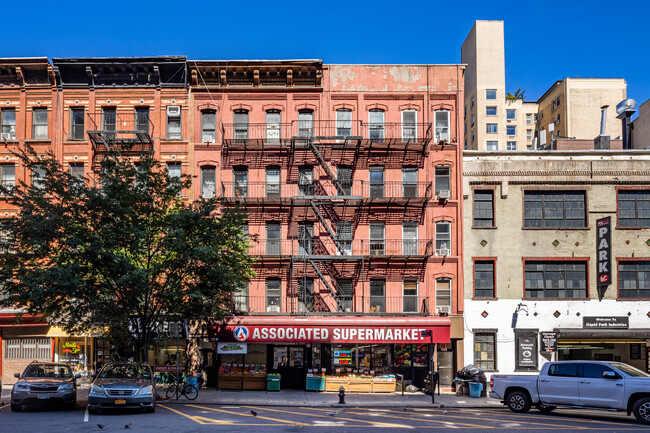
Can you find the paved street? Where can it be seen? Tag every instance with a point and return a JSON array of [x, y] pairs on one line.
[[220, 418]]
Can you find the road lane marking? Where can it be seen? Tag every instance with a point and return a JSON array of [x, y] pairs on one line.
[[198, 419], [373, 423], [560, 413], [248, 414], [86, 415]]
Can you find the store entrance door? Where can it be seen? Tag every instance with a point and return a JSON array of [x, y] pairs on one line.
[[289, 361]]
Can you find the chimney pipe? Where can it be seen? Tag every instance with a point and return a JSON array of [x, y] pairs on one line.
[[603, 119]]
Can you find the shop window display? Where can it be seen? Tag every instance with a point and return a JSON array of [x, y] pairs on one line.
[[244, 371], [407, 355], [360, 367]]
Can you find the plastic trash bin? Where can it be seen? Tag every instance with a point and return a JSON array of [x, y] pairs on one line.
[[273, 382], [475, 389]]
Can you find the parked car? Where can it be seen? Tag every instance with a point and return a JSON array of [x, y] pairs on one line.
[[45, 383], [583, 384], [123, 385]]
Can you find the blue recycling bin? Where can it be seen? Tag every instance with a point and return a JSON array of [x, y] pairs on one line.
[[475, 389]]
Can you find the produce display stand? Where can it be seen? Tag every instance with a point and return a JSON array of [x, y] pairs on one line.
[[381, 384], [242, 377], [361, 384]]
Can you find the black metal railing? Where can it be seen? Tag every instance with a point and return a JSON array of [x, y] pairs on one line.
[[132, 131], [326, 246], [324, 302]]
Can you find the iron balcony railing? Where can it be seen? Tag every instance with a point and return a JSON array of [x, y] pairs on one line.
[[258, 133], [129, 131], [356, 188], [326, 246], [324, 302], [396, 132]]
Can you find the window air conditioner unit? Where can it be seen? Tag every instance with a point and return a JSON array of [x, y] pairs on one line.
[[444, 194], [174, 111], [207, 139], [444, 252], [5, 136], [442, 310]]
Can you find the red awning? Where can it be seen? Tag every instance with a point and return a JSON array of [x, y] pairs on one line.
[[265, 329]]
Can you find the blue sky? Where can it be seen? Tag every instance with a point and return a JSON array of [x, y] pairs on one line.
[[544, 41]]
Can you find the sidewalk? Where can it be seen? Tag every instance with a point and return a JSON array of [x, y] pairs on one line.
[[289, 398]]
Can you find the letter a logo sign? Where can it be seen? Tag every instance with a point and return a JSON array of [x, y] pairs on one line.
[[241, 333]]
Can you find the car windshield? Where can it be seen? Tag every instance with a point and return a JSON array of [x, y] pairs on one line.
[[126, 371], [48, 370], [629, 370]]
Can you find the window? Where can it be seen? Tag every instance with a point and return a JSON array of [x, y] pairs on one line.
[[410, 296], [634, 208], [409, 238], [492, 145], [28, 348], [240, 177], [511, 114], [529, 119], [208, 182], [511, 130], [344, 176], [305, 181], [484, 279], [594, 371], [305, 294], [484, 208], [555, 103], [174, 131], [472, 120], [555, 280], [8, 175], [9, 122], [240, 298], [377, 181], [441, 121], [208, 126], [443, 238], [554, 209], [536, 117], [344, 291], [491, 128], [529, 134], [633, 280], [490, 111], [376, 125], [635, 351], [377, 241], [76, 171], [491, 94], [343, 122], [442, 179], [240, 125], [77, 131], [511, 145], [305, 123], [377, 296], [174, 170], [409, 125], [39, 123], [410, 182], [471, 102], [38, 177], [485, 350], [564, 369], [273, 125], [109, 122], [344, 237], [305, 238], [142, 119], [443, 293], [273, 295], [273, 182], [273, 238], [473, 136]]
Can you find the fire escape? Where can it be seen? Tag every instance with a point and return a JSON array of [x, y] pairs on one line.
[[129, 133]]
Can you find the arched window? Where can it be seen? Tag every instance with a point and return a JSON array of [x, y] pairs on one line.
[[343, 122], [441, 122], [376, 125], [306, 123], [240, 124], [208, 126], [273, 126], [208, 181], [443, 238]]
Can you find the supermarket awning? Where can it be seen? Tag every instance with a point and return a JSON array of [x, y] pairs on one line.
[[262, 329]]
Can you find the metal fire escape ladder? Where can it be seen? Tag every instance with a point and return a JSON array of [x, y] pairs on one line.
[[327, 226], [329, 287], [323, 164]]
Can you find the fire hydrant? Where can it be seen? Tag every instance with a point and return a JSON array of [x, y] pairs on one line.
[[341, 395]]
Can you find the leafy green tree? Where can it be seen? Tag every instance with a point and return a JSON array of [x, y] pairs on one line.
[[519, 94], [126, 252]]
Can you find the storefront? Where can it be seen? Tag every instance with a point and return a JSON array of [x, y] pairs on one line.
[[367, 352]]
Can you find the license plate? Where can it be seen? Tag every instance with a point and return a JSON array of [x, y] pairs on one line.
[[43, 396], [120, 401]]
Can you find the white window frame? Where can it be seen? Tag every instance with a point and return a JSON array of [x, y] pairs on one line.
[[40, 130], [175, 135], [410, 244], [416, 296], [487, 145], [444, 133], [443, 241], [511, 145], [511, 110], [213, 169], [405, 134], [448, 294]]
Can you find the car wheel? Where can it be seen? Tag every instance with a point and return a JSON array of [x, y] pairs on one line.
[[641, 410], [16, 407], [545, 409], [518, 402]]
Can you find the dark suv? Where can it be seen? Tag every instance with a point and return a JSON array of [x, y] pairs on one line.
[[45, 383]]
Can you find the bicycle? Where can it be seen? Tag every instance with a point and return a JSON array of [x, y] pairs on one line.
[[176, 389]]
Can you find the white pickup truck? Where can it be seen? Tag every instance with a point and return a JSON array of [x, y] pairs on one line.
[[582, 384]]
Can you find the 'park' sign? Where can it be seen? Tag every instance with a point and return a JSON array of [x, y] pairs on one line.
[[604, 253]]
